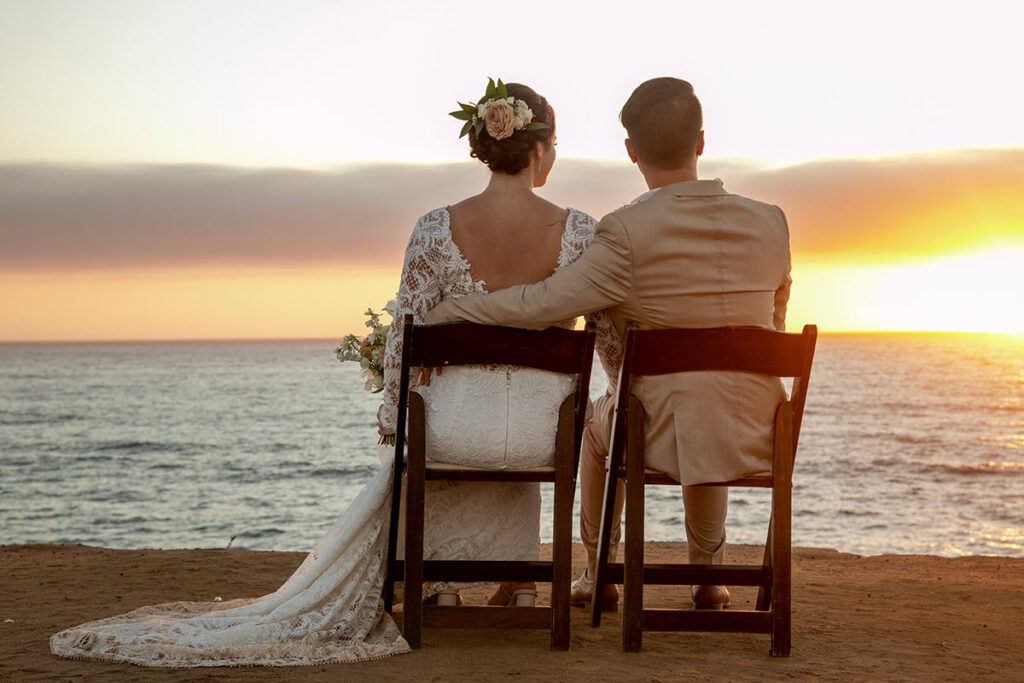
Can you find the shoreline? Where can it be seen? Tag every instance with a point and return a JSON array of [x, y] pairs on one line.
[[889, 617]]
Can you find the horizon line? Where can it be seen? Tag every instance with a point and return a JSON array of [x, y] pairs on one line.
[[765, 162], [337, 340]]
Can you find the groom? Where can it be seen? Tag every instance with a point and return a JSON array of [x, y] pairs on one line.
[[684, 254]]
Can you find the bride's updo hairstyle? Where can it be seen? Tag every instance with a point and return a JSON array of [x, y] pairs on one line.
[[512, 154]]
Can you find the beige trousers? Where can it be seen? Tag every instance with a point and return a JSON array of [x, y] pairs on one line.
[[705, 507]]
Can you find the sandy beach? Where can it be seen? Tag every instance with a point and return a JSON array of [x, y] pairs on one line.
[[860, 618]]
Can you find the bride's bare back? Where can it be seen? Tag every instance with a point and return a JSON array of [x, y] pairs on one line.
[[508, 240]]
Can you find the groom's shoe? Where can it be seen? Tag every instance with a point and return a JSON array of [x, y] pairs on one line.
[[582, 594], [710, 597]]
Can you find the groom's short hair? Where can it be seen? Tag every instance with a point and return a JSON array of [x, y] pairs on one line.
[[663, 120]]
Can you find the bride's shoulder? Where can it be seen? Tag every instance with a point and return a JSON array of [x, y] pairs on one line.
[[577, 236], [432, 226], [437, 219]]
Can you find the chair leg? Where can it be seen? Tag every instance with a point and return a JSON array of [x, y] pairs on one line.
[[392, 549], [611, 483], [764, 591], [561, 557], [412, 621], [781, 533], [781, 576], [633, 564]]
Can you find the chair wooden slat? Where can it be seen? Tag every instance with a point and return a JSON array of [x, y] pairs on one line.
[[471, 616], [683, 574], [554, 349], [740, 349], [474, 570], [744, 621]]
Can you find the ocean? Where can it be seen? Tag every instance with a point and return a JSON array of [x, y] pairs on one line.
[[912, 443]]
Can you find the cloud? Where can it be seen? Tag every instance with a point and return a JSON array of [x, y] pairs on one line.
[[894, 207], [56, 217], [79, 217]]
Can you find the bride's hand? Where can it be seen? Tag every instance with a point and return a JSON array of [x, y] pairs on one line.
[[381, 429]]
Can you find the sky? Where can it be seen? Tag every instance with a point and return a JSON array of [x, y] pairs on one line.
[[253, 169]]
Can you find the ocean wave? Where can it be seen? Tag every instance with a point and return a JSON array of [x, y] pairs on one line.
[[114, 496], [12, 419], [989, 468], [263, 533], [166, 466], [359, 470], [280, 447], [136, 447]]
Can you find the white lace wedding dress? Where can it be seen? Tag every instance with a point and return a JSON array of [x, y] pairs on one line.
[[330, 609]]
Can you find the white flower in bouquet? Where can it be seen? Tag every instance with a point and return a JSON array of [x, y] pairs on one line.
[[369, 352]]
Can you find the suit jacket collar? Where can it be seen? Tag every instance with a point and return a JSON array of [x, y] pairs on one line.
[[696, 188]]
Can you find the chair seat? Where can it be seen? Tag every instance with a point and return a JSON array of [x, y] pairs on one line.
[[447, 467], [757, 480], [446, 472]]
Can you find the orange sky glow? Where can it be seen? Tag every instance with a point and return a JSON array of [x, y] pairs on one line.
[[160, 182], [887, 245]]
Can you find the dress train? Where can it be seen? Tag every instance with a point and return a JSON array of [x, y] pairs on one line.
[[329, 610]]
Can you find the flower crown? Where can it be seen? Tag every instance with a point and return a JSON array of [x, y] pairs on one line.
[[500, 114]]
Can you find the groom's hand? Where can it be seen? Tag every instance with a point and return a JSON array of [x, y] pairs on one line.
[[441, 313]]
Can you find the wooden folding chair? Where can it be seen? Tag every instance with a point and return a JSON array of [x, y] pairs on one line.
[[660, 352], [555, 350]]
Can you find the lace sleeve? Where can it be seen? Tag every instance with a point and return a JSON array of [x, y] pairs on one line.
[[419, 290], [609, 346], [579, 232]]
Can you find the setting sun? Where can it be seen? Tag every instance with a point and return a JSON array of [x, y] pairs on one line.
[[976, 292]]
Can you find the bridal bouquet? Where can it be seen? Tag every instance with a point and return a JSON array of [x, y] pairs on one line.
[[369, 352]]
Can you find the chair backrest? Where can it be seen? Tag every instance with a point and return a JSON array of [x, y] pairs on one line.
[[742, 349], [554, 349]]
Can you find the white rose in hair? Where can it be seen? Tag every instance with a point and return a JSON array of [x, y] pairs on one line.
[[524, 114], [500, 120]]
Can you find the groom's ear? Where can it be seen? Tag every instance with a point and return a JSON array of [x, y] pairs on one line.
[[700, 143], [631, 153]]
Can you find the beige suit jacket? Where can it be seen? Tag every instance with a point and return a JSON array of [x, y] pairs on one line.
[[691, 255]]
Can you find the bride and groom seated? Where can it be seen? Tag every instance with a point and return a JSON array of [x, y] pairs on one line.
[[685, 254]]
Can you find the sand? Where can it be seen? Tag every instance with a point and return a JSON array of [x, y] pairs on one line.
[[891, 617]]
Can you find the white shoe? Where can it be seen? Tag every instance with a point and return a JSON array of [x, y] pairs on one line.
[[582, 590], [582, 593], [449, 598]]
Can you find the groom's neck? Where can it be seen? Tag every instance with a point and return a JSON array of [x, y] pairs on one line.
[[660, 177]]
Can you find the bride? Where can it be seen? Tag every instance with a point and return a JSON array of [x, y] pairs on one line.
[[330, 609]]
